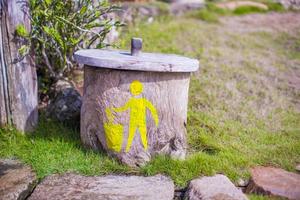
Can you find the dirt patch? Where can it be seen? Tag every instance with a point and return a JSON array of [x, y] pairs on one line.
[[287, 81], [250, 68], [271, 22]]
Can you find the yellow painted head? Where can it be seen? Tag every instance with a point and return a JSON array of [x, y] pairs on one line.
[[136, 87]]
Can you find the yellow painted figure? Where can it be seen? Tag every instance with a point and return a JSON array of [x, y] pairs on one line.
[[138, 108]]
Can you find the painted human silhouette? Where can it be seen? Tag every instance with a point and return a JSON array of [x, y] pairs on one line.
[[138, 107]]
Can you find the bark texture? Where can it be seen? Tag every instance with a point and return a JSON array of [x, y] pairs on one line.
[[18, 81], [107, 88]]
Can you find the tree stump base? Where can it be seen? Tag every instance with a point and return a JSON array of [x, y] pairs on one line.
[[131, 110], [106, 88]]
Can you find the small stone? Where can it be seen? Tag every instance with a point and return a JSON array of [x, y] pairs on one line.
[[61, 85], [73, 186], [16, 180], [179, 193], [298, 168], [242, 183], [150, 20], [217, 187], [275, 182]]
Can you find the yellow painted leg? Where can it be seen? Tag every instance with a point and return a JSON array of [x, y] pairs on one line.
[[143, 132], [131, 134]]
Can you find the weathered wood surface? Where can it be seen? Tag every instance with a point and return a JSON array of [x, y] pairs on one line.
[[18, 81], [107, 88], [143, 62]]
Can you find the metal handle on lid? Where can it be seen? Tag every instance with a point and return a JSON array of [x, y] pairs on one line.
[[136, 46]]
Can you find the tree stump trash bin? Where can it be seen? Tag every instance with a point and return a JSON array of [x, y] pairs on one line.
[[134, 104]]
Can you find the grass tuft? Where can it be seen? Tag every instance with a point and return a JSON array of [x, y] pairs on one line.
[[243, 10], [206, 15], [55, 148], [211, 12]]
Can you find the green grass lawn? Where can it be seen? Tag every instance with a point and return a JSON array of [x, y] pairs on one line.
[[242, 109], [212, 13]]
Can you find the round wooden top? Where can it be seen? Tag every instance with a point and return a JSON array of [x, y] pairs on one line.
[[123, 60]]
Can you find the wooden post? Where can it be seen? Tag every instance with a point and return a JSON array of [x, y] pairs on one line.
[[18, 80], [135, 105]]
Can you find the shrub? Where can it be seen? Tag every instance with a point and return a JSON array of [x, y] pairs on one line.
[[61, 27]]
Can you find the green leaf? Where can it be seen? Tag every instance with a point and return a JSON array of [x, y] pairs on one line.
[[23, 50], [55, 35], [48, 2], [21, 31], [83, 10], [75, 41]]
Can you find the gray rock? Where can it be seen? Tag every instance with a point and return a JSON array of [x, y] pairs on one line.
[[16, 180], [72, 186], [217, 187], [298, 168], [274, 182], [66, 105], [61, 85], [182, 6], [179, 193], [290, 4], [133, 12], [242, 182]]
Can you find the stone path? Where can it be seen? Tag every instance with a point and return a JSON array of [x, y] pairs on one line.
[[16, 180], [73, 186], [275, 182], [217, 187]]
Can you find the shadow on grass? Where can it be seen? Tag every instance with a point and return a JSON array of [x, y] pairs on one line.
[[56, 148], [215, 148]]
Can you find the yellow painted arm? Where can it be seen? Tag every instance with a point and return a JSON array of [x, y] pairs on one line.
[[122, 108], [153, 111]]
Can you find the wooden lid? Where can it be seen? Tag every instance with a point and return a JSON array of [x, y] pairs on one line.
[[136, 60]]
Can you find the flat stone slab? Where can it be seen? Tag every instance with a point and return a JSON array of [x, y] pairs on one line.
[[217, 187], [275, 182], [16, 180], [73, 186]]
